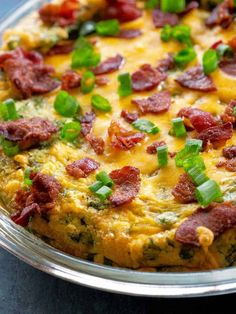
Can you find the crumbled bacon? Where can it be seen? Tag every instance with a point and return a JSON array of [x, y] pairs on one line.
[[97, 143], [231, 165], [87, 123], [129, 33], [190, 6], [217, 217], [70, 79], [228, 115], [166, 64], [123, 139], [82, 168], [198, 119], [160, 19], [157, 103], [64, 14], [22, 217], [109, 66], [195, 79], [229, 152], [228, 65], [152, 149], [101, 80], [127, 184], [27, 132], [27, 72], [221, 15], [216, 135], [184, 191], [61, 49], [122, 10], [147, 78], [129, 117]]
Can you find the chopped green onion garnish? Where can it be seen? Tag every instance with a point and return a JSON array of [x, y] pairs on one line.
[[66, 105], [179, 127], [151, 4], [162, 156], [87, 28], [197, 175], [9, 148], [96, 186], [234, 111], [108, 28], [194, 144], [210, 61], [27, 180], [224, 50], [173, 6], [166, 33], [192, 148], [103, 193], [104, 178], [87, 82], [145, 126], [125, 87], [84, 55], [185, 56], [71, 131], [193, 161], [182, 34], [208, 192], [8, 110], [101, 103]]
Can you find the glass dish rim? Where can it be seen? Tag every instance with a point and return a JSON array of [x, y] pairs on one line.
[[38, 254]]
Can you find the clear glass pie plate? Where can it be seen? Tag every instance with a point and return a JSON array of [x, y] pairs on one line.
[[40, 255]]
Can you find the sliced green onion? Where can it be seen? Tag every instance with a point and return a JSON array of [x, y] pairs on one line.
[[104, 178], [96, 186], [87, 28], [193, 161], [210, 61], [8, 110], [194, 144], [71, 131], [87, 82], [145, 126], [234, 111], [108, 28], [27, 180], [182, 34], [179, 127], [125, 87], [84, 55], [10, 149], [192, 148], [173, 6], [162, 156], [151, 4], [224, 50], [101, 103], [166, 33], [66, 105], [197, 175], [185, 56], [103, 193], [208, 192]]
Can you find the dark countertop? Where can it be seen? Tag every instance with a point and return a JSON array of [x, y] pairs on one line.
[[24, 290]]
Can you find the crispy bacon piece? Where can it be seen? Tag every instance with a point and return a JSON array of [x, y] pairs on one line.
[[228, 66], [127, 184], [27, 132], [200, 120], [97, 143], [27, 72], [109, 66], [82, 168], [147, 78], [195, 79], [216, 135], [229, 152], [64, 14], [190, 6], [101, 80], [160, 19], [152, 149], [231, 165], [129, 33], [87, 123], [61, 49], [221, 15], [40, 198], [184, 191], [122, 10], [166, 64], [129, 117], [228, 115], [157, 103], [217, 217], [123, 139], [70, 79]]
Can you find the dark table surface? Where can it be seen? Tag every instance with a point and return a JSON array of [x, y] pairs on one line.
[[29, 291]]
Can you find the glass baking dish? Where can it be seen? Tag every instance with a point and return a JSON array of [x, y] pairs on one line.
[[35, 252]]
